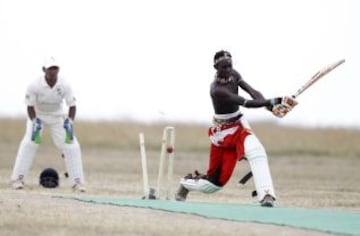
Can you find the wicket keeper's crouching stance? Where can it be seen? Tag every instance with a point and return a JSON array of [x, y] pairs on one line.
[[44, 98], [231, 136]]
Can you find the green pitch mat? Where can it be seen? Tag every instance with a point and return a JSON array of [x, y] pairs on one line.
[[330, 221]]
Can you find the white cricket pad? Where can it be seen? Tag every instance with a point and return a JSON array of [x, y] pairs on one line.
[[73, 163], [200, 185], [257, 158], [24, 159]]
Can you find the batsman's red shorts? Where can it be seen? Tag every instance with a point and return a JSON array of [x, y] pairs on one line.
[[227, 147]]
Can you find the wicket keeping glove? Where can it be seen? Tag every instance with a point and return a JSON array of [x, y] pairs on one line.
[[68, 126], [282, 106], [36, 128]]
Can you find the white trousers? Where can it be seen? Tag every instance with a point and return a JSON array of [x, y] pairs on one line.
[[27, 150]]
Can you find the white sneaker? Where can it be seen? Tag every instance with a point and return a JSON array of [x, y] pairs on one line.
[[79, 188], [18, 184]]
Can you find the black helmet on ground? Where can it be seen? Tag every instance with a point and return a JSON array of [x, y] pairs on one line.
[[49, 178]]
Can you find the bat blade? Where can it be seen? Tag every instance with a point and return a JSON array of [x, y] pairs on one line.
[[321, 73]]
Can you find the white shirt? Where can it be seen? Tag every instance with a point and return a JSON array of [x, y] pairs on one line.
[[47, 100]]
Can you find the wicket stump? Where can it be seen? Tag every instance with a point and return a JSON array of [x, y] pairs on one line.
[[167, 150]]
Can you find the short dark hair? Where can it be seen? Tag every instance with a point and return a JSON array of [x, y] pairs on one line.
[[221, 54]]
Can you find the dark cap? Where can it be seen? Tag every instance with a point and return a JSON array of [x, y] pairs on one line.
[[221, 55]]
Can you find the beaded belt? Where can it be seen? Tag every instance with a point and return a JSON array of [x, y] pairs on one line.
[[217, 121]]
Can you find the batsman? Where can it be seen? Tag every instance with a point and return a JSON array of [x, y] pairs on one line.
[[231, 136]]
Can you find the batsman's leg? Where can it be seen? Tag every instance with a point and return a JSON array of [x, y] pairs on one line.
[[24, 158], [257, 158], [189, 183], [194, 183], [201, 185]]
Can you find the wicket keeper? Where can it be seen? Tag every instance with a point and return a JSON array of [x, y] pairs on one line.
[[44, 100]]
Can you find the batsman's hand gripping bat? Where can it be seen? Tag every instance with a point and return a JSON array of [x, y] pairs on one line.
[[286, 105], [282, 109]]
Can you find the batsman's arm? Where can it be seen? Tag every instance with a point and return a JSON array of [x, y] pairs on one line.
[[254, 94], [239, 100], [261, 102]]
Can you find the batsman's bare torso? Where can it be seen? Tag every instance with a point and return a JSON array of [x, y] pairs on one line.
[[219, 91]]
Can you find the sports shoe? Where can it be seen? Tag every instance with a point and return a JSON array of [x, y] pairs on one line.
[[18, 184], [79, 188], [181, 194], [267, 201]]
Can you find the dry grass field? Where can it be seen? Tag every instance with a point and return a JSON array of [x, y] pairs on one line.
[[311, 168]]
